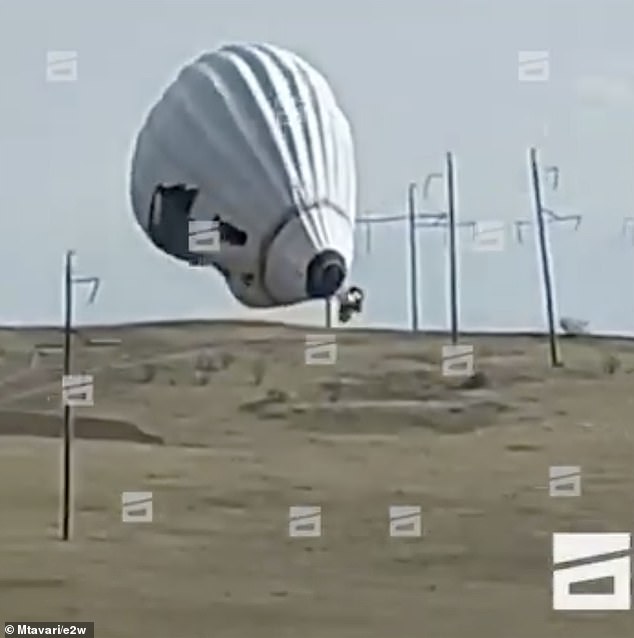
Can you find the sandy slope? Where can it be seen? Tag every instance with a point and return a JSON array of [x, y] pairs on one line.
[[228, 427]]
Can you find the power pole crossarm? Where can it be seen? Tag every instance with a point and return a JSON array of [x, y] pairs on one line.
[[428, 182], [94, 282]]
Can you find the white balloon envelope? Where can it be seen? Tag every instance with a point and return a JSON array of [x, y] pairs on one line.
[[247, 163]]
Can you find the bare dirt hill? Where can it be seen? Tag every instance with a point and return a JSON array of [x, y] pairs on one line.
[[228, 428]]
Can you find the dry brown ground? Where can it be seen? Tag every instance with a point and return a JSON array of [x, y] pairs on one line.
[[227, 440]]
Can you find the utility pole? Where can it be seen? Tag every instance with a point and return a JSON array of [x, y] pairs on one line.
[[545, 259], [413, 258], [68, 433]]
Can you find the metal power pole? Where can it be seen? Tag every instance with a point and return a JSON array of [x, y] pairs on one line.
[[68, 433], [453, 265], [413, 258], [545, 259]]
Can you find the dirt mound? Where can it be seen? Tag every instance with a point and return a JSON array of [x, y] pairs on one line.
[[15, 423]]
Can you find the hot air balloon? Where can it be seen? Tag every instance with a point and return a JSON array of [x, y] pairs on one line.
[[249, 149]]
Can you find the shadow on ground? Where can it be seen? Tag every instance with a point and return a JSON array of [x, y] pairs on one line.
[[50, 425]]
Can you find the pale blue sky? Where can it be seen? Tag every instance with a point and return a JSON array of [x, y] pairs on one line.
[[416, 78]]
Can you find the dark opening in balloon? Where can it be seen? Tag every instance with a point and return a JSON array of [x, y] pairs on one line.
[[169, 218]]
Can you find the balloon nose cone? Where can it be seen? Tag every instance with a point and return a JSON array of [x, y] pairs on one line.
[[325, 274]]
